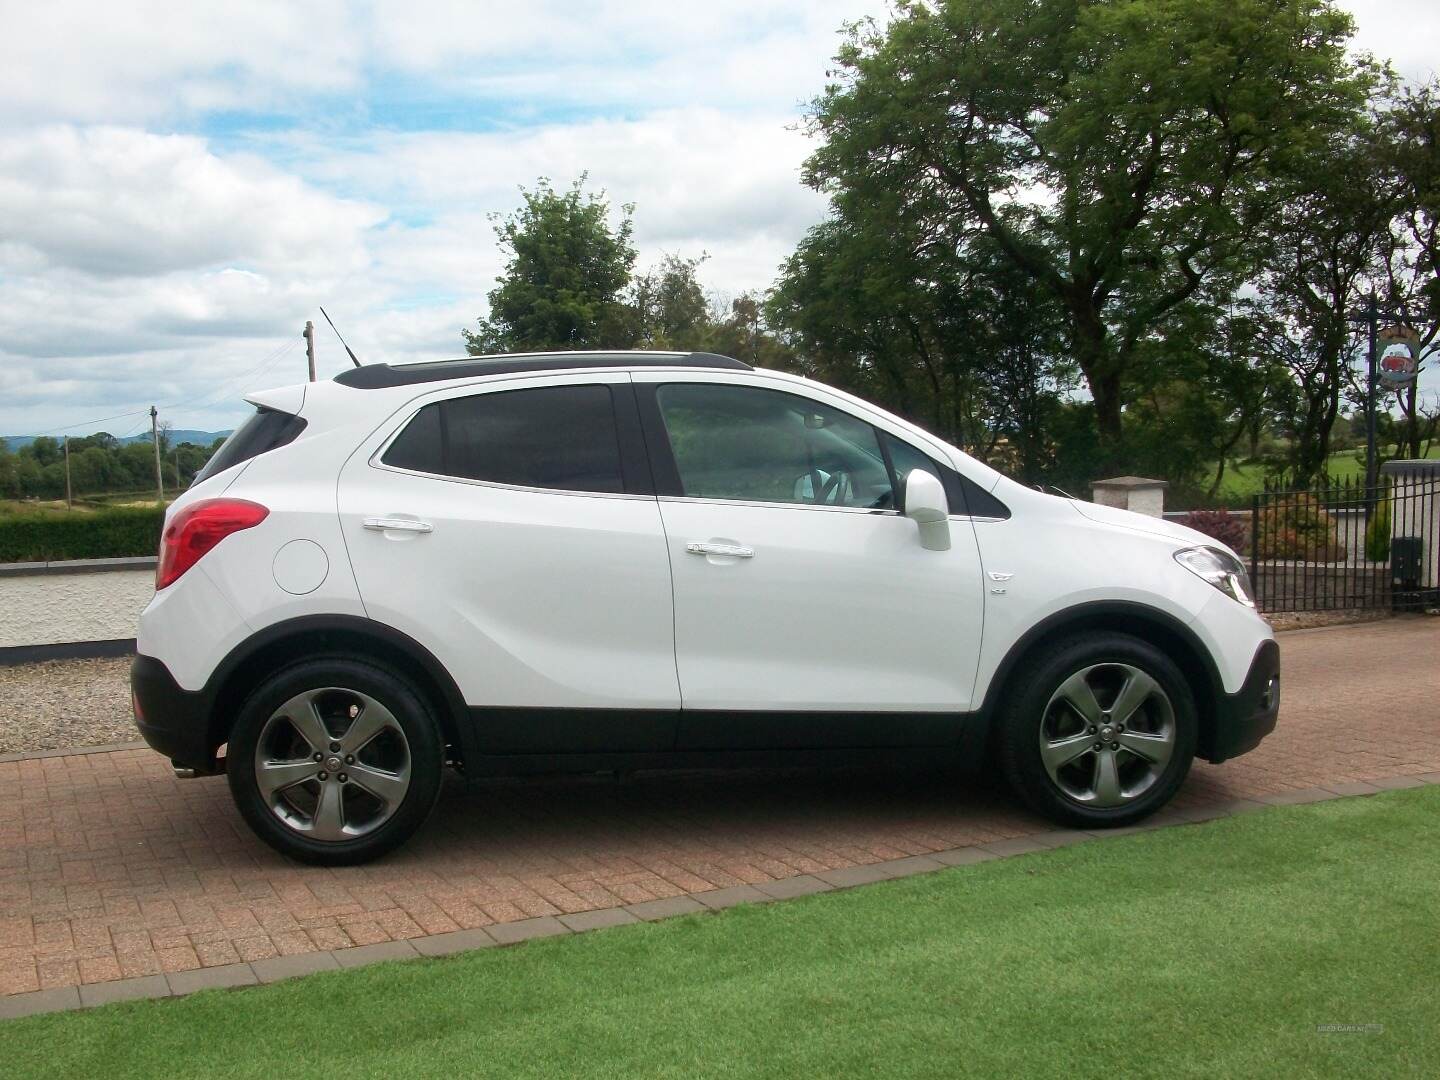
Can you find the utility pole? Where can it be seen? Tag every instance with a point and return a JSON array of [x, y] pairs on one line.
[[69, 500], [1372, 320], [310, 346], [155, 441]]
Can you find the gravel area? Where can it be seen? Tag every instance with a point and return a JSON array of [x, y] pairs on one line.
[[63, 703]]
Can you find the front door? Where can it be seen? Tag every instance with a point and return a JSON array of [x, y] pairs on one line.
[[807, 613]]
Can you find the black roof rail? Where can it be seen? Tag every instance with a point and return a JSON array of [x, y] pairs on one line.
[[378, 376]]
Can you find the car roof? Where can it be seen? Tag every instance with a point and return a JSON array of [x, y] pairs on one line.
[[377, 376]]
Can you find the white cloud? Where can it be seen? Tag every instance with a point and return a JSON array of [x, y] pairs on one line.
[[156, 61], [181, 184], [700, 178], [1406, 32], [122, 202], [141, 59]]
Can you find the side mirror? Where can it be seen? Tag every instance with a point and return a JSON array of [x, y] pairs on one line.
[[926, 505]]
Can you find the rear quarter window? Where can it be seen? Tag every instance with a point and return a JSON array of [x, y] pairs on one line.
[[556, 438], [266, 430]]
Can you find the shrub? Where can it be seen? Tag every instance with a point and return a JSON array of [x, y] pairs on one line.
[[1228, 528], [107, 534], [1377, 533], [1296, 526]]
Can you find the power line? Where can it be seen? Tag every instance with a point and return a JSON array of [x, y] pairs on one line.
[[86, 423], [210, 397]]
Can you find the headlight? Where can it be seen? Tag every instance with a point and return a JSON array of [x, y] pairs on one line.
[[1220, 569]]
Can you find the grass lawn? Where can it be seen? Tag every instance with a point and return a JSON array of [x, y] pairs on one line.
[[1211, 950]]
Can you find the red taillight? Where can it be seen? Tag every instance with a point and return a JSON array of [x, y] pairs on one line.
[[199, 527]]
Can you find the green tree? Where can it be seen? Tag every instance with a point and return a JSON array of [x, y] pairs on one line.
[[9, 474], [91, 469], [744, 329], [1119, 154], [135, 466], [564, 278], [952, 339], [1323, 255], [1199, 388], [669, 306], [1410, 140], [44, 449]]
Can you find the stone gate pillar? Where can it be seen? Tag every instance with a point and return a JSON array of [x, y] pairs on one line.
[[1131, 493], [1415, 511]]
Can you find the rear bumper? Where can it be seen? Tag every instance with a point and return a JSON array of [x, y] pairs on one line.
[[174, 721], [1244, 718]]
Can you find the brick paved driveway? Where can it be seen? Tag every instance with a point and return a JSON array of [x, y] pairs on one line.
[[109, 868]]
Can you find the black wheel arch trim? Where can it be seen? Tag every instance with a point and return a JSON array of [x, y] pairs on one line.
[[203, 717], [1122, 616], [198, 721]]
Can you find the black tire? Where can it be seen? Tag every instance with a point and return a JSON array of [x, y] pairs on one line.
[[1029, 702], [423, 750]]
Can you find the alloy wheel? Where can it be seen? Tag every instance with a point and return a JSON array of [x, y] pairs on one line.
[[1107, 734], [332, 764]]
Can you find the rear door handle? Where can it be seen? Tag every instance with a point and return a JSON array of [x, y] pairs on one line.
[[389, 524], [734, 551]]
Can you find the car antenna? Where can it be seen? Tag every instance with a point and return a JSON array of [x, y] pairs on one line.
[[353, 357]]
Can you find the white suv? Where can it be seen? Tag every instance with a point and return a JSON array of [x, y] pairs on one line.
[[595, 561]]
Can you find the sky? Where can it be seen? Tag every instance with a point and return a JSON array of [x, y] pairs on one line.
[[182, 185]]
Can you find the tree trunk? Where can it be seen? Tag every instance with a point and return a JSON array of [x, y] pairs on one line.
[[1312, 443], [1092, 352], [1105, 388], [1410, 439]]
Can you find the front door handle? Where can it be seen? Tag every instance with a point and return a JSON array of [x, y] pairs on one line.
[[734, 551], [390, 524]]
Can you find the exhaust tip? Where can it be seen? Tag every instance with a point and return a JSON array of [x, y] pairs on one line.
[[182, 773]]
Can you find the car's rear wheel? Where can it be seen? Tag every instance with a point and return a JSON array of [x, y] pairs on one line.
[[335, 761], [1100, 732]]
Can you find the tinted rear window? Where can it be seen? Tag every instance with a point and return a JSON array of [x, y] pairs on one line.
[[267, 430], [558, 437]]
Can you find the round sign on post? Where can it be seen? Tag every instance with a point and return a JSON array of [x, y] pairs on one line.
[[1399, 360]]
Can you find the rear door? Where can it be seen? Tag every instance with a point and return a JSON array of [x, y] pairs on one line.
[[511, 528]]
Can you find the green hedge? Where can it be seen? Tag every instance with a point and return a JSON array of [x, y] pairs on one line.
[[106, 534]]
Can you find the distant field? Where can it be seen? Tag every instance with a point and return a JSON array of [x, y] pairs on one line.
[[1242, 481], [18, 507], [86, 504]]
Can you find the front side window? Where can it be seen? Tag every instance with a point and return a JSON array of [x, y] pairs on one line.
[[906, 458], [756, 445], [560, 437]]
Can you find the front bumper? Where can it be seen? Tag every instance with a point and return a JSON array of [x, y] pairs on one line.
[[1244, 718], [174, 721]]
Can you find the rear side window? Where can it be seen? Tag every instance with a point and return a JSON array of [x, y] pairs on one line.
[[558, 437], [268, 429]]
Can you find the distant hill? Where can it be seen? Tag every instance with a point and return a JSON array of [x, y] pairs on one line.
[[178, 436]]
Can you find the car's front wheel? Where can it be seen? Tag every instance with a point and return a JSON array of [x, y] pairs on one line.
[[1100, 732], [335, 761]]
